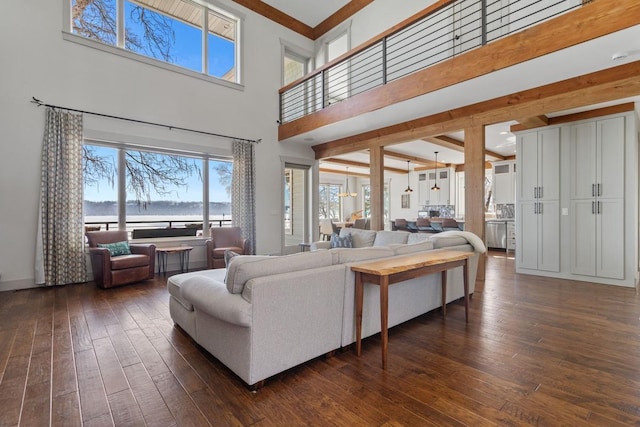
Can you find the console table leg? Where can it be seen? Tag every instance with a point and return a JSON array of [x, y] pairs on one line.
[[465, 272], [384, 317], [443, 275], [359, 302]]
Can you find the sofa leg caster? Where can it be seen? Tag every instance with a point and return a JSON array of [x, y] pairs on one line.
[[255, 387]]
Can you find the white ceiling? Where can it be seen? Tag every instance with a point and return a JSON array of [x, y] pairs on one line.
[[310, 12], [588, 57]]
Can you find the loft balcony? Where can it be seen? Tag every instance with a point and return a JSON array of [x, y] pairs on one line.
[[450, 43]]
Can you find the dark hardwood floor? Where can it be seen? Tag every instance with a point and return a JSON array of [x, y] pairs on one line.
[[537, 351]]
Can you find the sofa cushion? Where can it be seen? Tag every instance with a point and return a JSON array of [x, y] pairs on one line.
[[386, 238], [117, 248], [418, 237], [174, 283], [240, 273], [210, 295], [129, 261], [400, 249], [341, 242], [342, 255], [360, 238]]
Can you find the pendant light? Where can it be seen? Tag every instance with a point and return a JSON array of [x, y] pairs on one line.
[[347, 193], [435, 183], [409, 189]]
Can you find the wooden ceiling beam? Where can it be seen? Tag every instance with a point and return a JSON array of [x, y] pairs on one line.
[[359, 164], [340, 172], [405, 157], [270, 12], [591, 114], [601, 86], [341, 15], [534, 121], [455, 144]]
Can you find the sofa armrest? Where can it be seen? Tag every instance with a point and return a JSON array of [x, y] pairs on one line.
[[101, 265], [321, 244], [246, 247], [143, 249]]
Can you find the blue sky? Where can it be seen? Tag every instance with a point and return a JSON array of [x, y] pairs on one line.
[[187, 49], [105, 191]]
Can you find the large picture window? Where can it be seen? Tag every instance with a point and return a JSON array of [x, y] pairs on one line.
[[170, 31], [163, 190]]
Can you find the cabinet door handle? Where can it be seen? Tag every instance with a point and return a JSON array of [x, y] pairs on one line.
[[593, 190], [540, 192], [535, 192], [540, 210], [593, 208], [535, 208], [599, 192], [598, 207]]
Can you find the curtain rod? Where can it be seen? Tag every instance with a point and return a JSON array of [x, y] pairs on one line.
[[39, 103]]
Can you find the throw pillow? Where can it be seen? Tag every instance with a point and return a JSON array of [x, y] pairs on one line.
[[341, 242], [117, 248], [228, 256]]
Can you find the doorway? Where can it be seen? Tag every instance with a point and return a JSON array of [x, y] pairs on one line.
[[296, 207]]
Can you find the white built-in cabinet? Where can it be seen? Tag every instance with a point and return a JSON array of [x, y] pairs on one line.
[[577, 214], [597, 198], [504, 182], [538, 207], [427, 179]]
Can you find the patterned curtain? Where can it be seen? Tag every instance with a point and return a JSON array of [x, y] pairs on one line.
[[243, 188], [60, 257]]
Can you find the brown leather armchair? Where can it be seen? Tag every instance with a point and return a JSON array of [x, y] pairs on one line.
[[224, 239], [110, 271]]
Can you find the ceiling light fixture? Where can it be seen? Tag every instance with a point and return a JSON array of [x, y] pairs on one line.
[[435, 182], [347, 193], [409, 189]]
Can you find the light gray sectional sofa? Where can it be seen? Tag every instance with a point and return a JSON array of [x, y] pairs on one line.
[[265, 314]]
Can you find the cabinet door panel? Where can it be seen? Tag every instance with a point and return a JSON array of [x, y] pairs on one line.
[[610, 165], [549, 235], [583, 237], [527, 241], [583, 160], [528, 165], [549, 164], [610, 239]]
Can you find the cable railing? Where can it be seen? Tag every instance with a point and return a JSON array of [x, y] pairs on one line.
[[450, 29]]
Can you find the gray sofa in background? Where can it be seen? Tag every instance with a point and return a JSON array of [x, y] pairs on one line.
[[265, 314]]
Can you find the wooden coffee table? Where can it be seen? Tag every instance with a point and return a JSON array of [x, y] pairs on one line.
[[386, 272]]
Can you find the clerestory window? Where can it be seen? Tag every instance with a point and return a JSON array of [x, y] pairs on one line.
[[179, 32]]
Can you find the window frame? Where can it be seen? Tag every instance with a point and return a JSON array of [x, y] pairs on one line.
[[328, 185], [209, 6], [121, 182]]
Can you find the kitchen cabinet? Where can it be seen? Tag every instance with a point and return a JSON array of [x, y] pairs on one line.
[[426, 181], [597, 198], [504, 182], [511, 236], [538, 200]]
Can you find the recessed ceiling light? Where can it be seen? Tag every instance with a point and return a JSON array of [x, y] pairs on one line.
[[504, 132], [619, 56], [309, 139]]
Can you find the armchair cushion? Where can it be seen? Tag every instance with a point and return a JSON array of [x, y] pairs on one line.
[[117, 248], [129, 261]]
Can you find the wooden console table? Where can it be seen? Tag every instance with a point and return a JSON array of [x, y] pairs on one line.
[[386, 272]]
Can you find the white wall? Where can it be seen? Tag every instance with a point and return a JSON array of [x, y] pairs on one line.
[[36, 61]]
